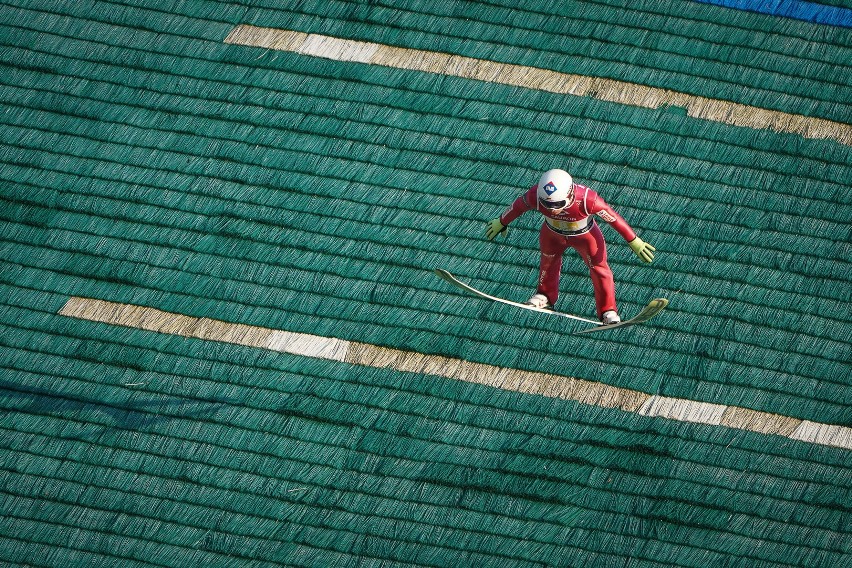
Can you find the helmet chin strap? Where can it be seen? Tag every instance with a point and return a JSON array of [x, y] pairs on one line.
[[567, 202]]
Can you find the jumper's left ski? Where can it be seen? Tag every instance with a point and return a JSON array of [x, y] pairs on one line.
[[653, 308]]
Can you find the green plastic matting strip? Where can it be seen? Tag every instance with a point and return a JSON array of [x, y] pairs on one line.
[[537, 78], [568, 388]]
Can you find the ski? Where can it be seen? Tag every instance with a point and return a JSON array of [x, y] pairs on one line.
[[468, 288], [653, 308]]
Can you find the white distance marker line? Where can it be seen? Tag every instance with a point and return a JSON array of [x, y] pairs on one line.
[[529, 382], [633, 94], [683, 410]]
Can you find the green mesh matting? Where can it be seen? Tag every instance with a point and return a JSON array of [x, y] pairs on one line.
[[144, 161]]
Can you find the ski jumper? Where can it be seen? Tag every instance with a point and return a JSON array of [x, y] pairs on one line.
[[576, 228]]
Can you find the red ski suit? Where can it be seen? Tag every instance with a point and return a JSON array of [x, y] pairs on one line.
[[576, 228]]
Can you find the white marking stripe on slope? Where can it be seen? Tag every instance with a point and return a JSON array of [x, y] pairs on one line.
[[683, 410], [529, 382], [539, 79], [308, 345]]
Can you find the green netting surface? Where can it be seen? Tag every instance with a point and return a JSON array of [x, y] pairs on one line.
[[144, 161], [689, 47], [269, 457]]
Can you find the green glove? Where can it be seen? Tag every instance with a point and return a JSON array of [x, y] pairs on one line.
[[643, 250], [495, 227]]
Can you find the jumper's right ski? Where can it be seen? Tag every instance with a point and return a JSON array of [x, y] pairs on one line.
[[468, 288]]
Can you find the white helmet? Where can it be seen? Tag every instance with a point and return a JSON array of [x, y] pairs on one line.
[[555, 189]]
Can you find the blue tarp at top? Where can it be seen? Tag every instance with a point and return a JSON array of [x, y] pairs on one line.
[[798, 9]]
